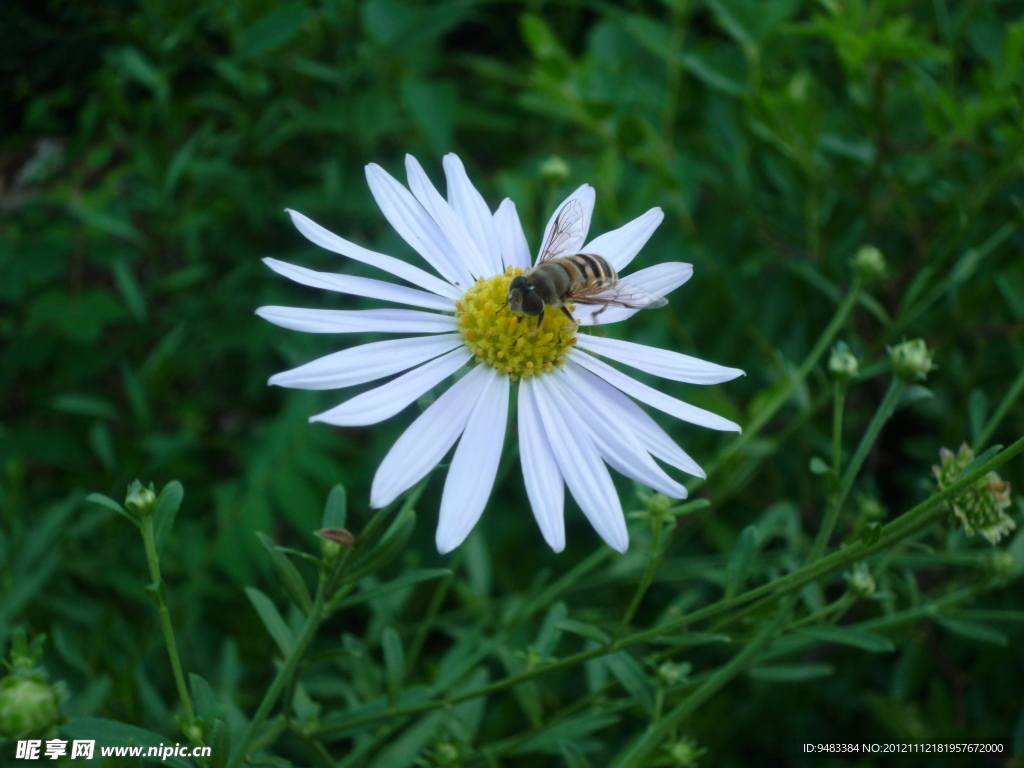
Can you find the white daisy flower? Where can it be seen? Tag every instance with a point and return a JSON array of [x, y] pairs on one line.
[[576, 413]]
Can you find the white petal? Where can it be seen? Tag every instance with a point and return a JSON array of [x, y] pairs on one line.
[[385, 401], [612, 437], [366, 362], [471, 206], [585, 196], [358, 320], [544, 485], [427, 439], [361, 286], [515, 252], [581, 466], [646, 429], [415, 226], [451, 224], [325, 239], [620, 246], [659, 362], [653, 397], [475, 464], [661, 279]]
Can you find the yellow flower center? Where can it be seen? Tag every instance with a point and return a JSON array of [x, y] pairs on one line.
[[511, 343]]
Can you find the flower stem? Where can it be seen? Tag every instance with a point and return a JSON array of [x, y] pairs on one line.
[[882, 415], [838, 403], [149, 542], [654, 558], [1011, 396]]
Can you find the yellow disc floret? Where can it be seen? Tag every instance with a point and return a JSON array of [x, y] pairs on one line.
[[512, 343]]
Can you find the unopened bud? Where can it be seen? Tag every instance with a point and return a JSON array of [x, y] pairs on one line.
[[862, 583], [683, 753], [141, 500], [911, 360], [843, 364], [554, 170], [869, 264], [669, 673], [28, 706]]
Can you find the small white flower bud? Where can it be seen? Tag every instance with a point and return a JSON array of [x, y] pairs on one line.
[[843, 364], [869, 264], [911, 360], [554, 169]]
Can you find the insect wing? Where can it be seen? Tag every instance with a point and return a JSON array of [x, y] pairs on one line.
[[621, 295], [566, 233]]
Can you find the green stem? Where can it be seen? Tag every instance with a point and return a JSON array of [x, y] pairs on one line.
[[149, 541], [284, 674], [838, 403], [1011, 397], [440, 593], [885, 410], [921, 516], [780, 398], [654, 557]]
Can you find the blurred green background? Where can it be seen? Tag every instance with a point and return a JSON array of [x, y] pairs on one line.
[[148, 151]]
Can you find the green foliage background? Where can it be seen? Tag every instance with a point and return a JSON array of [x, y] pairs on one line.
[[148, 151]]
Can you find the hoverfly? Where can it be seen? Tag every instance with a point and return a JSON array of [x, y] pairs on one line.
[[579, 278]]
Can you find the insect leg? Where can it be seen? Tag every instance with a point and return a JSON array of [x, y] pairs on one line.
[[540, 322], [573, 320]]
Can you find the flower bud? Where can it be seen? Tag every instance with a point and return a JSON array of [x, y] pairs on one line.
[[669, 673], [911, 360], [683, 753], [842, 364], [554, 170], [869, 264], [28, 706], [446, 753], [862, 583], [981, 506], [141, 500]]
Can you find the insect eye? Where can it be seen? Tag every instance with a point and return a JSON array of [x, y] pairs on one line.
[[533, 304]]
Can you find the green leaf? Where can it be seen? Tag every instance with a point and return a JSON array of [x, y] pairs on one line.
[[129, 289], [973, 630], [478, 563], [791, 673], [272, 30], [109, 503], [858, 638], [405, 580], [739, 561], [205, 699], [272, 620], [977, 408], [550, 631], [914, 394], [109, 733], [819, 467], [85, 405], [394, 663], [630, 675], [291, 579], [167, 505], [336, 508], [588, 631], [573, 755]]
